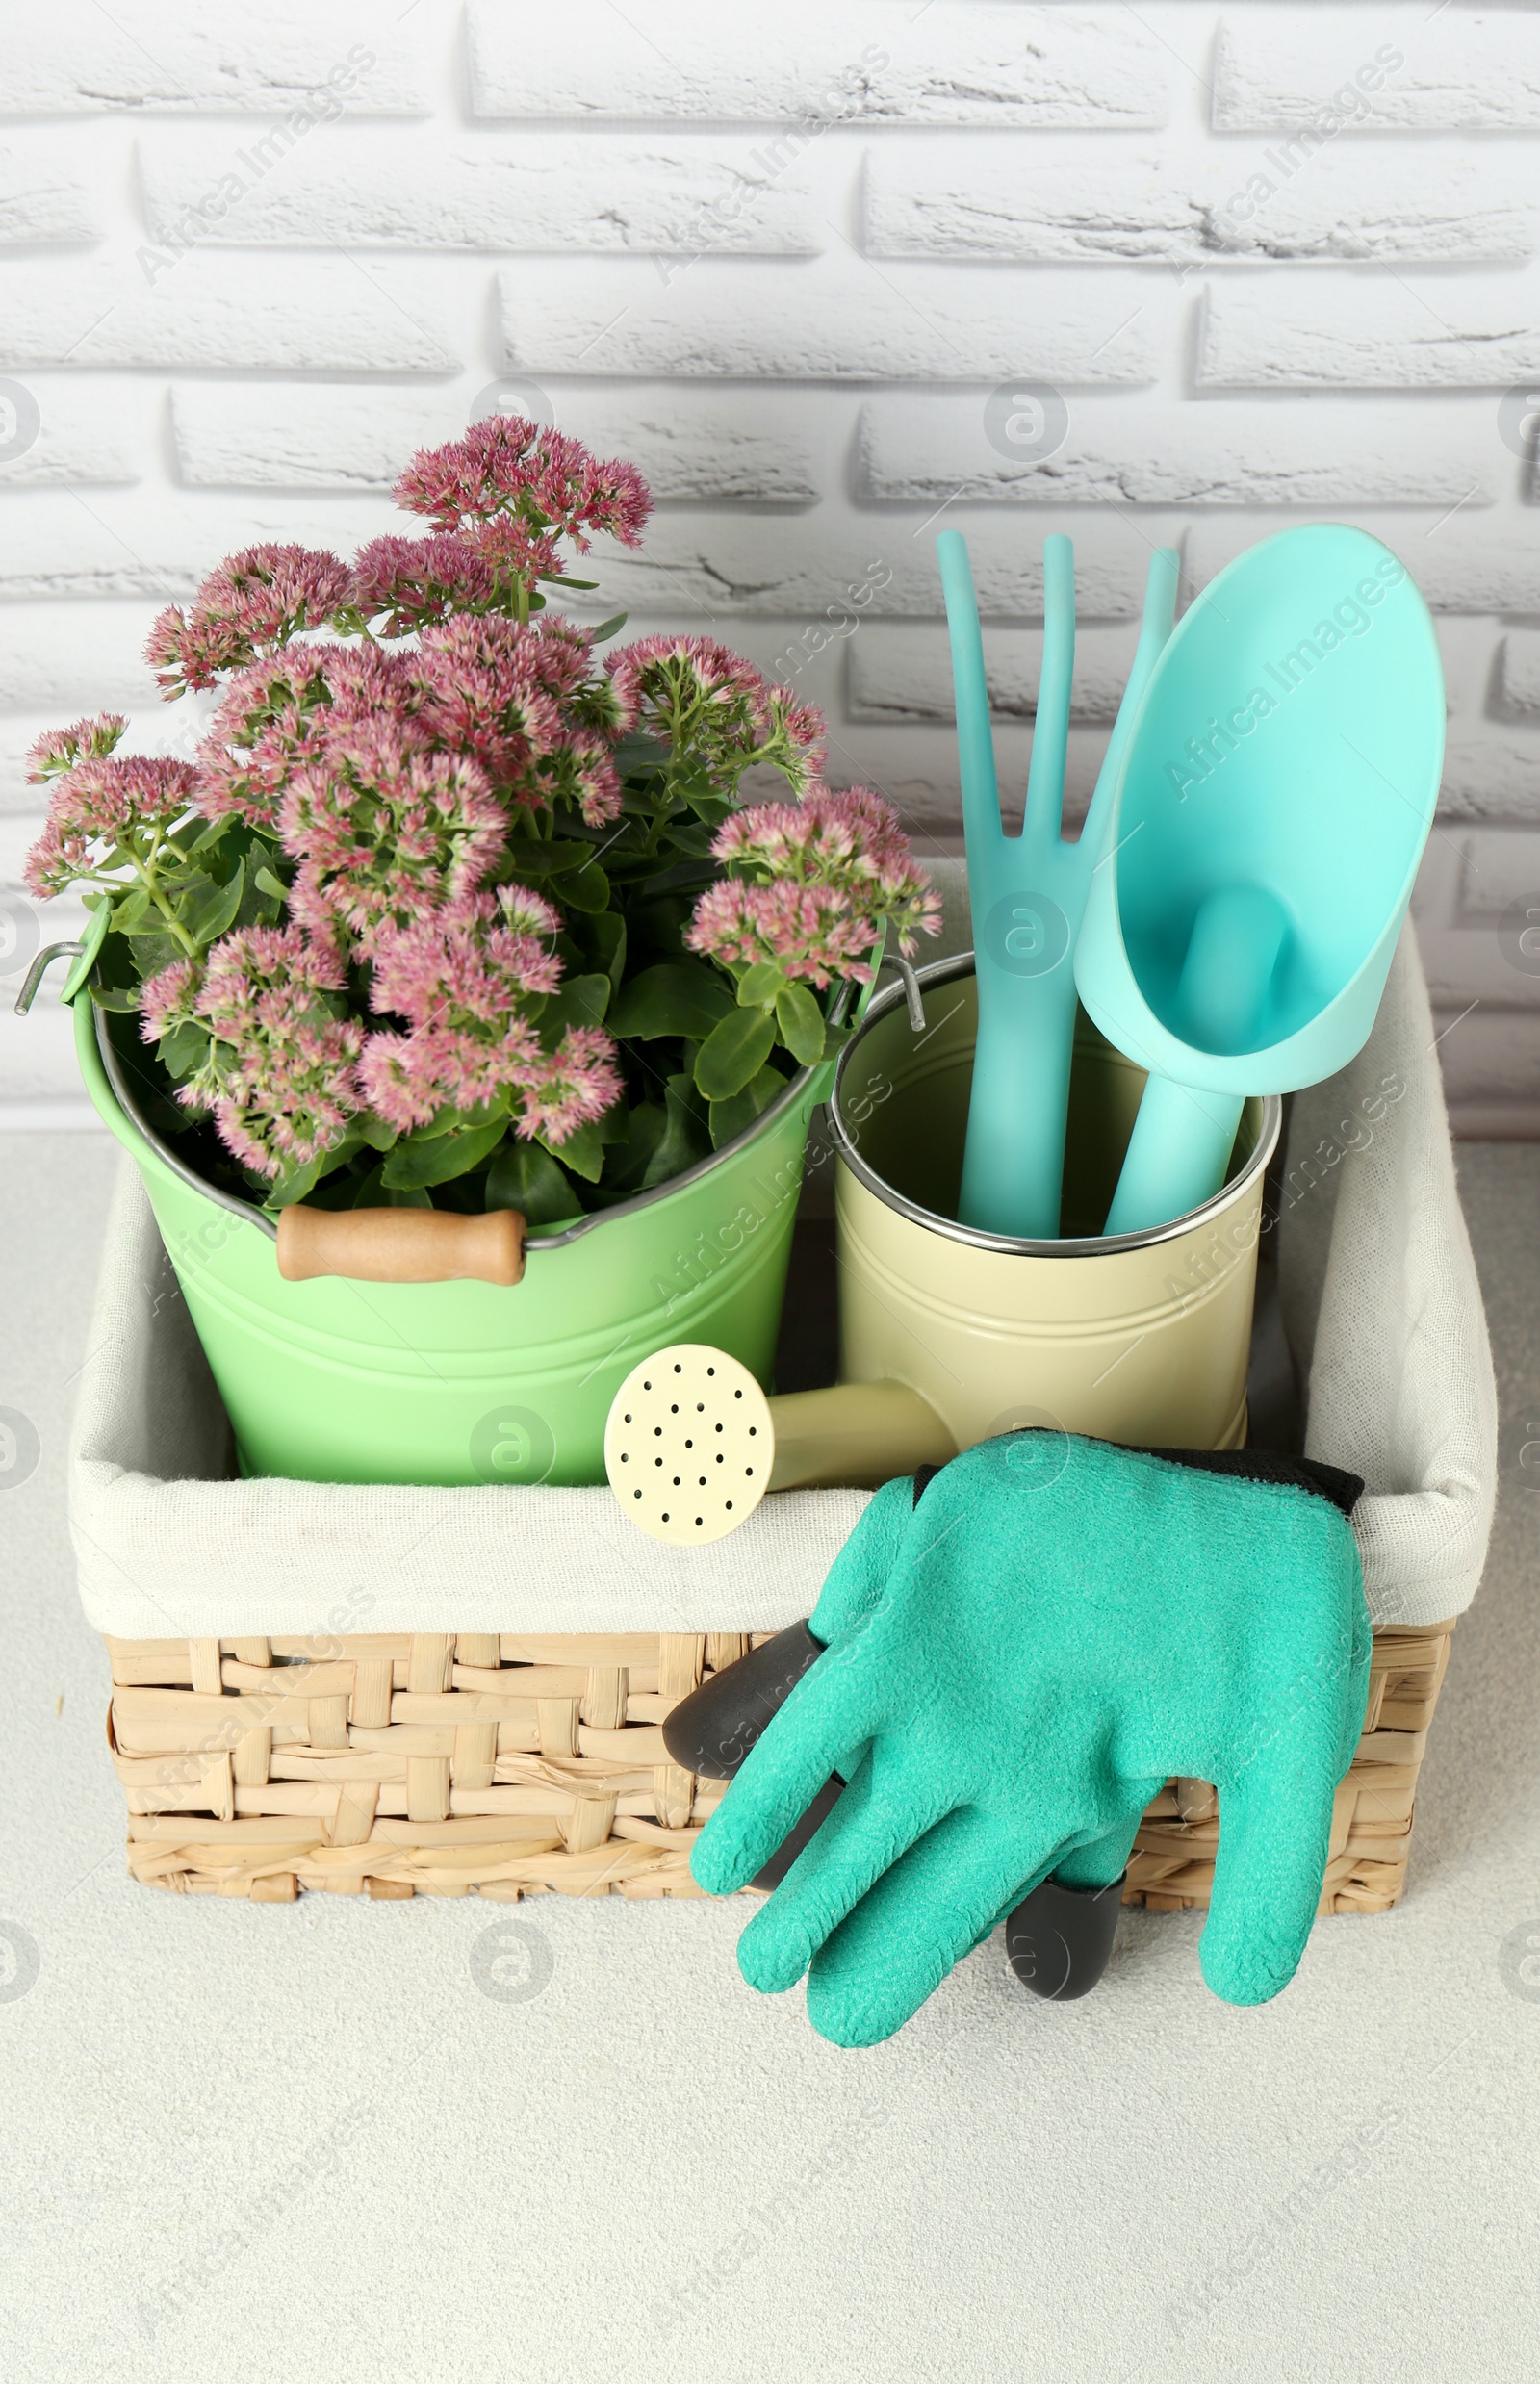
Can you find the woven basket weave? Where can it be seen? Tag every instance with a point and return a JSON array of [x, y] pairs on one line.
[[403, 1765]]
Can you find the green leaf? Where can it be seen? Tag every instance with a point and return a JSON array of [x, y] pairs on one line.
[[638, 755], [605, 931], [273, 887], [583, 1151], [687, 878], [686, 1135], [585, 889], [801, 1022], [735, 1052], [215, 833], [115, 996], [607, 629], [448, 1120], [761, 984], [577, 1001], [154, 951], [373, 1132], [182, 879], [258, 908], [693, 839], [209, 912], [337, 1190], [181, 1051], [625, 1168], [136, 914], [412, 1164], [676, 997], [293, 1187], [731, 1117], [692, 782], [531, 857], [371, 1191], [524, 1177]]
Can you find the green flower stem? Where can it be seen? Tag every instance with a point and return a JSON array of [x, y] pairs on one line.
[[145, 869]]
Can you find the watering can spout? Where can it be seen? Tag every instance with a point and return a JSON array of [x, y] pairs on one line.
[[859, 1434]]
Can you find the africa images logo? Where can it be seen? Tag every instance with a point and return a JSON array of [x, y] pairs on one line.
[[1202, 757]]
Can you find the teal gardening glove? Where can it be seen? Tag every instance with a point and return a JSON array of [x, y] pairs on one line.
[[1014, 1664]]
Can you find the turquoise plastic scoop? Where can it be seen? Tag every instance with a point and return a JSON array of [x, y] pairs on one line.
[[1028, 895], [1269, 815]]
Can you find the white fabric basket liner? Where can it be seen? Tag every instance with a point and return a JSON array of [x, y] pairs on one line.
[[1379, 1302]]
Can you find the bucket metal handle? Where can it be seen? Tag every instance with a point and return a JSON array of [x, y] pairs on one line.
[[913, 998], [401, 1246], [39, 969]]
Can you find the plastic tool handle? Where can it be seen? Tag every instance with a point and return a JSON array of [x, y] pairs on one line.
[[1182, 1138], [859, 1434], [1177, 1155], [1059, 1939], [401, 1246], [712, 1730]]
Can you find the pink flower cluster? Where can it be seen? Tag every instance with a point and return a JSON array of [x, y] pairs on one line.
[[509, 467], [280, 1074], [385, 829], [515, 702], [60, 749], [415, 580], [709, 705], [458, 980], [809, 929], [279, 715], [503, 498], [285, 1072], [99, 803], [254, 602], [823, 876], [850, 842], [519, 701]]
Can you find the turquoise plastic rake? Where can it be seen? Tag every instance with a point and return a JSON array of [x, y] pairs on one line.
[[1028, 894]]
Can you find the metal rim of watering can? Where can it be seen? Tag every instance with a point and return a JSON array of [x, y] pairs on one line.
[[913, 985], [117, 1078]]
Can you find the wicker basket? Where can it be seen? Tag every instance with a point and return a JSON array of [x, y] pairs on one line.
[[403, 1765]]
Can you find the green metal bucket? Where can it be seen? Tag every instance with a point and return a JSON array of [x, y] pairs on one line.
[[343, 1381]]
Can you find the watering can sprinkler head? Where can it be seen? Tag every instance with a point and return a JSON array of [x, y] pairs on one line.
[[1267, 817], [692, 1442]]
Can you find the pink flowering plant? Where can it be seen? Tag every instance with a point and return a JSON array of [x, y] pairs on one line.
[[446, 909]]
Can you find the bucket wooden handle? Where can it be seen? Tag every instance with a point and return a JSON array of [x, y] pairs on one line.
[[401, 1246]]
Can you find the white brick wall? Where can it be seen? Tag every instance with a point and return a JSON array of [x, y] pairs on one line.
[[957, 62], [1258, 262]]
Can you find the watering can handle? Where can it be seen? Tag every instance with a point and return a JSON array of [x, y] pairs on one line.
[[401, 1246]]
